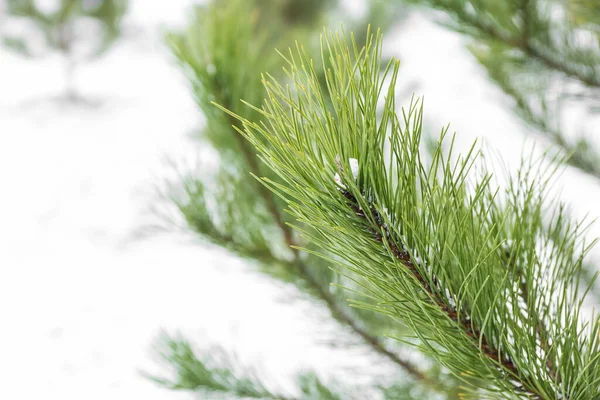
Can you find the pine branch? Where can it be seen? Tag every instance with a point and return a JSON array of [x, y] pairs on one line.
[[429, 254]]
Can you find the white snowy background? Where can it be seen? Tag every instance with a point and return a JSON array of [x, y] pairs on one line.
[[82, 297]]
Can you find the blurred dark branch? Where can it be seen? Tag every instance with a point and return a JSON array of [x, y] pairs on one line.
[[265, 193], [525, 11]]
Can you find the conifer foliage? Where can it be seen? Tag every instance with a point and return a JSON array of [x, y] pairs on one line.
[[480, 279]]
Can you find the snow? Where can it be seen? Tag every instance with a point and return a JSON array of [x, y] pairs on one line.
[[82, 297]]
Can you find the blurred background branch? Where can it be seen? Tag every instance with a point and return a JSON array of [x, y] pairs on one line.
[[545, 55]]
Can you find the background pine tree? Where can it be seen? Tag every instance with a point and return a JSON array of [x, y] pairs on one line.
[[63, 29]]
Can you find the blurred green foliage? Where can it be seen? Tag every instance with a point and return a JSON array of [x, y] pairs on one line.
[[57, 26], [545, 55], [217, 373]]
